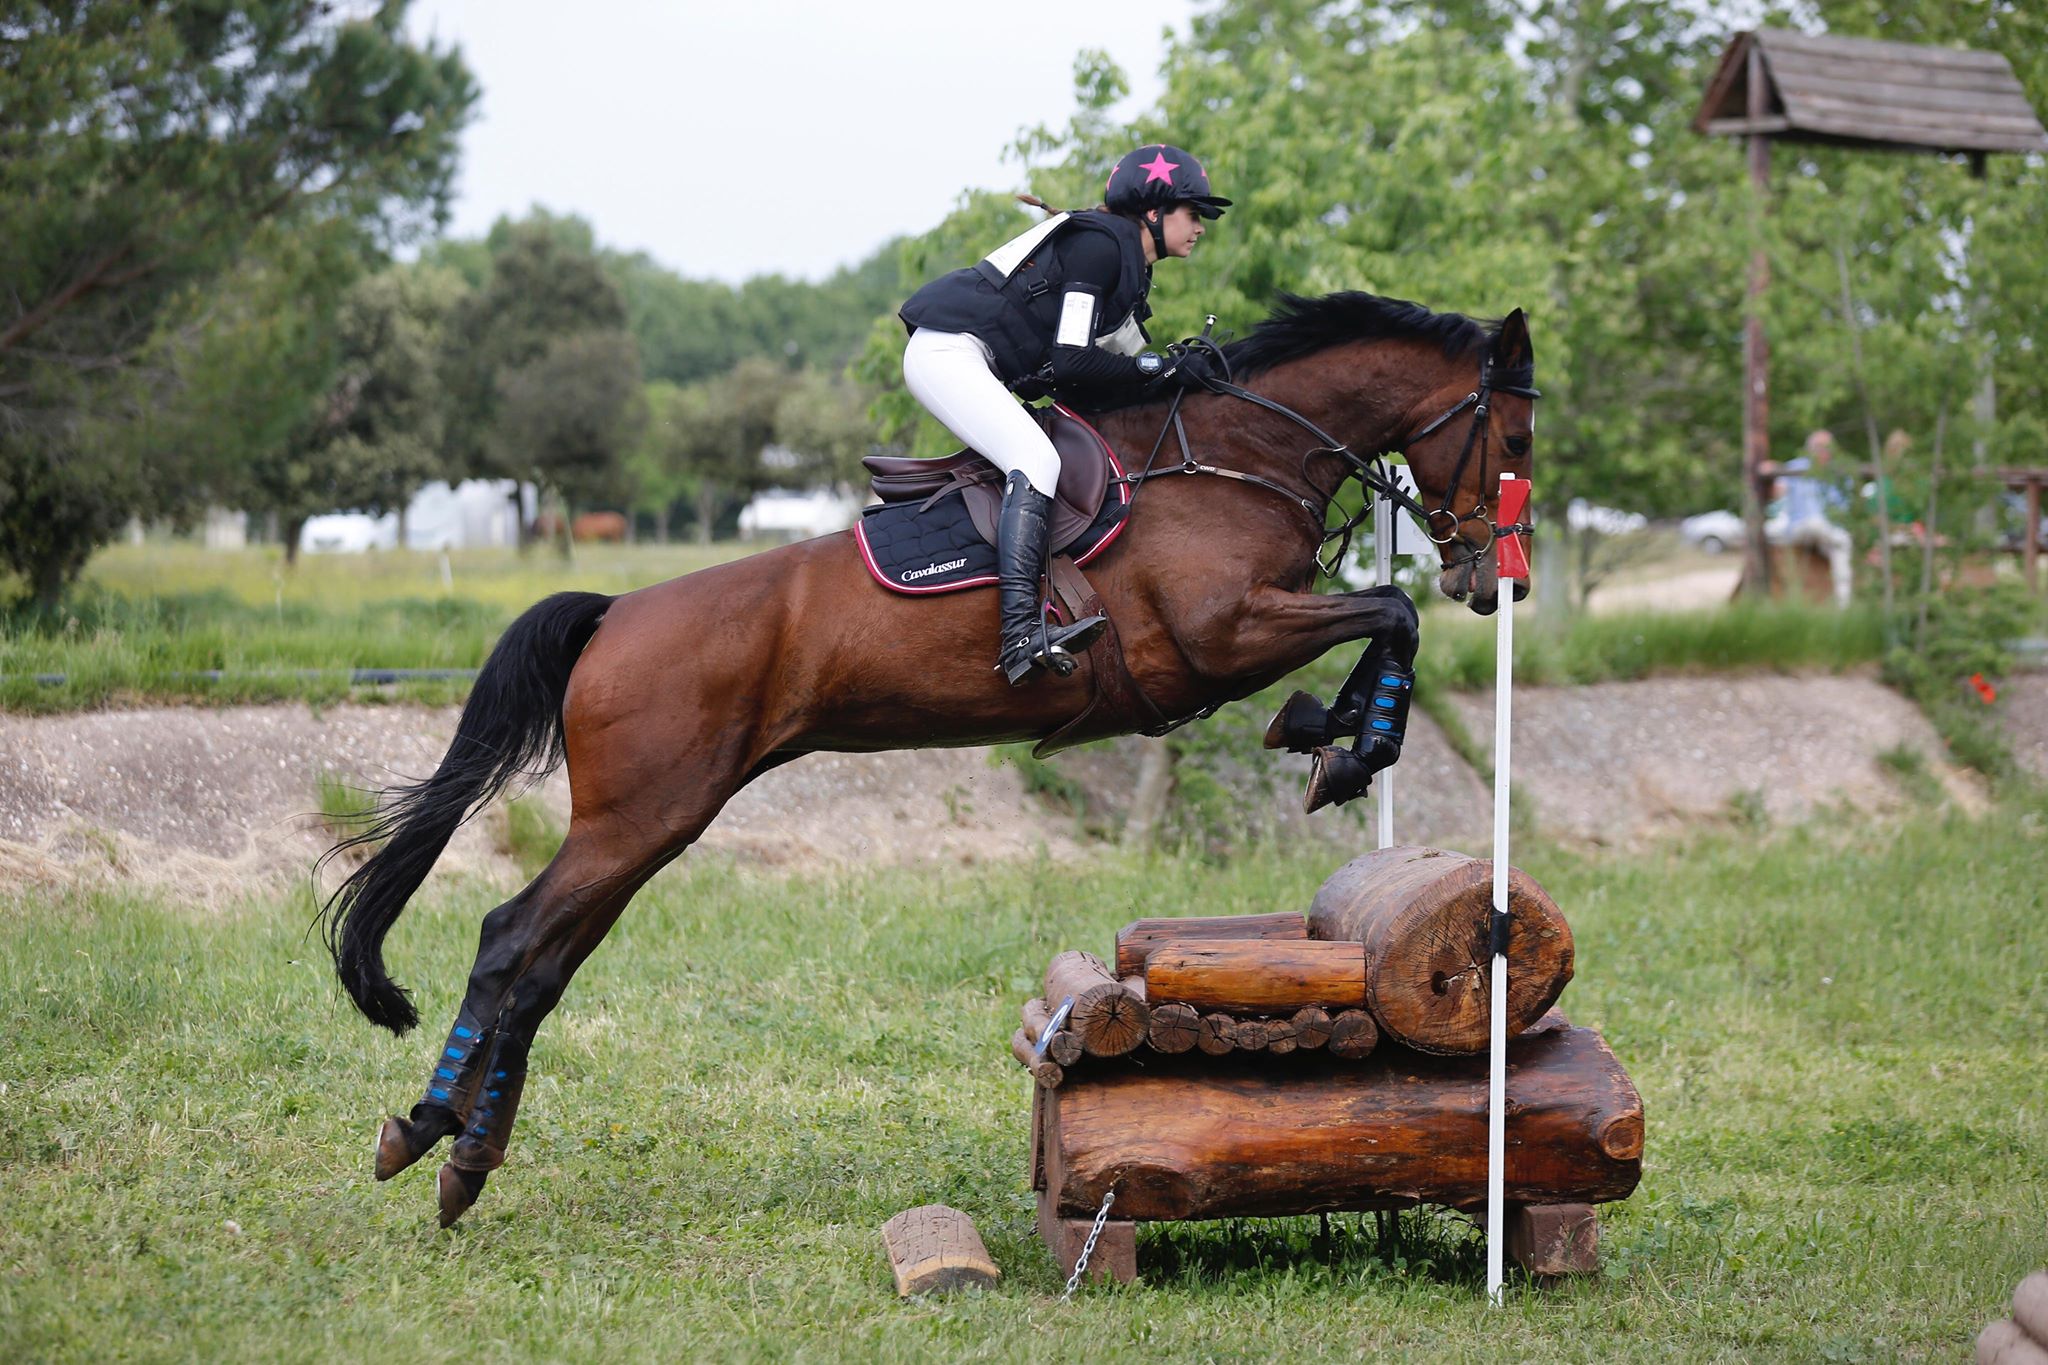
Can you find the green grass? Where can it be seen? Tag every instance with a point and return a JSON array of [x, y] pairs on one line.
[[1836, 1033], [149, 617]]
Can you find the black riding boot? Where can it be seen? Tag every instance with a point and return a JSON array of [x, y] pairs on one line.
[[1028, 642]]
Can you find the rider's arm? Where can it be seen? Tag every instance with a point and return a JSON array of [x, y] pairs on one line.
[[1092, 262]]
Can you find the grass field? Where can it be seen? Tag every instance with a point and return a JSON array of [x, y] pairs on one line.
[[1837, 1036]]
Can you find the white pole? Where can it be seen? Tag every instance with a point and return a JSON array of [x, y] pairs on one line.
[[1383, 555], [1497, 1078]]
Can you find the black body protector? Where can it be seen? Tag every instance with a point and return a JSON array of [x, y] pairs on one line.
[[1061, 306]]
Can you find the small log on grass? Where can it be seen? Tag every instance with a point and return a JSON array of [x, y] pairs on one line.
[[1352, 1035], [933, 1248], [1136, 940], [1423, 915], [1065, 1047], [2030, 1306], [1044, 1070], [1108, 1019], [1311, 1027], [2005, 1342], [1217, 1034], [1257, 976], [1174, 1028]]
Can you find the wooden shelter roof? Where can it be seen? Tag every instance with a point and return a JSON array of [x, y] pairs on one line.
[[1871, 93]]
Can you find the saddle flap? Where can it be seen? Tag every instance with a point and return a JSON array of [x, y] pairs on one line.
[[1084, 478]]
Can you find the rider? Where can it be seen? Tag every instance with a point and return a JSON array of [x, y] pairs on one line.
[[1060, 307]]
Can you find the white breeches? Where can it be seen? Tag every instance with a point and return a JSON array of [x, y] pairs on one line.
[[953, 375], [1832, 541]]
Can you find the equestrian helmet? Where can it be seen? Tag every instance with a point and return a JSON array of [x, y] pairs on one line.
[[1157, 176]]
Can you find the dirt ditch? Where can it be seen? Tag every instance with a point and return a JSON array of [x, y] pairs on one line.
[[223, 802]]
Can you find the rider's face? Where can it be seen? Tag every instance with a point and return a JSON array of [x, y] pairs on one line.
[[1182, 228]]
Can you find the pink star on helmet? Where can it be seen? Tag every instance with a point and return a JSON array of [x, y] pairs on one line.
[[1159, 168]]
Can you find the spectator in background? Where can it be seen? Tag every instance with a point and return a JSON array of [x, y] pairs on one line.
[[1809, 495]]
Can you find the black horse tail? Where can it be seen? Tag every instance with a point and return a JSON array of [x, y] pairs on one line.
[[511, 728]]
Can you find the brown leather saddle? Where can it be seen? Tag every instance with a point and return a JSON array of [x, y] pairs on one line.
[[1084, 479]]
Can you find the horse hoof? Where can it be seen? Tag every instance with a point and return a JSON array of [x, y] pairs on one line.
[[397, 1147], [458, 1189], [1299, 725], [1334, 777]]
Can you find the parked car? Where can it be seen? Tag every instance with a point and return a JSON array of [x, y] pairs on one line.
[[1712, 532], [1717, 531]]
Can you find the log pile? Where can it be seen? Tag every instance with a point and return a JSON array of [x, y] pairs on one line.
[[1374, 1008]]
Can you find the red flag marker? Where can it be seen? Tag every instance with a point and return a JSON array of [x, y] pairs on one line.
[[1511, 555]]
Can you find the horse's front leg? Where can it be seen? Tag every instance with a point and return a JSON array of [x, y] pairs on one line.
[[1371, 708]]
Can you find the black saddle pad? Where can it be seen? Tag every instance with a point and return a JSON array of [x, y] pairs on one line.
[[911, 548]]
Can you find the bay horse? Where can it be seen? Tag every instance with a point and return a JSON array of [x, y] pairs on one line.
[[666, 701]]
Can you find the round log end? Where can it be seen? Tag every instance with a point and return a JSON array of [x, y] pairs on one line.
[[1353, 1035], [1622, 1138], [1217, 1034], [1311, 1027], [1174, 1028]]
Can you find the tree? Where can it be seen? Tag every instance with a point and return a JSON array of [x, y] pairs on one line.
[[567, 418], [823, 420], [714, 432], [143, 144], [545, 286], [658, 478]]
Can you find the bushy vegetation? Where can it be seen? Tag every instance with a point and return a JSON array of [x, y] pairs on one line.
[[1834, 1030]]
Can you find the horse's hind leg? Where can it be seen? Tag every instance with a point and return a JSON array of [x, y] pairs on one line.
[[530, 948]]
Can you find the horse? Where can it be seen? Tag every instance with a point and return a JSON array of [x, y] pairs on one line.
[[666, 701]]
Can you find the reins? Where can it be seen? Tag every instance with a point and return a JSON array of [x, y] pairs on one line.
[[1372, 472]]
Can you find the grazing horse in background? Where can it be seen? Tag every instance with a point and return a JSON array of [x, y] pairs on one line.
[[668, 700]]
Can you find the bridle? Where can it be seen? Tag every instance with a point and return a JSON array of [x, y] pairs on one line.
[[1371, 471]]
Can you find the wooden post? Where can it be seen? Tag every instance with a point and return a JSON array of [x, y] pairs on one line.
[[1554, 1239], [2030, 551], [1756, 351]]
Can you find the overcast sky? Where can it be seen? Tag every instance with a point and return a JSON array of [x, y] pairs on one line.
[[729, 139]]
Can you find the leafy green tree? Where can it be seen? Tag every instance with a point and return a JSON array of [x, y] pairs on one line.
[[714, 434], [567, 418], [823, 419], [658, 478], [143, 144], [545, 286]]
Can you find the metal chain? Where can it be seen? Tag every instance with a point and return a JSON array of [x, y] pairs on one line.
[[1088, 1247]]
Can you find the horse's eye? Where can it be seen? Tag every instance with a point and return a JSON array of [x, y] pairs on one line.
[[1518, 445]]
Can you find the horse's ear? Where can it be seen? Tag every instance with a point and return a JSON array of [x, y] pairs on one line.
[[1511, 348]]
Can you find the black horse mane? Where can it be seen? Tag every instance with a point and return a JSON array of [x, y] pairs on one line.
[[1302, 326]]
